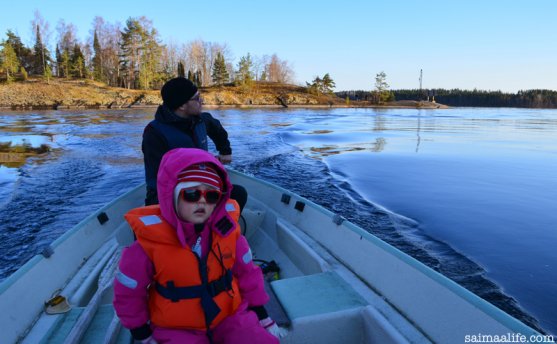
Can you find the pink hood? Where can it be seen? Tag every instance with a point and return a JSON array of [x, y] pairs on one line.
[[172, 163]]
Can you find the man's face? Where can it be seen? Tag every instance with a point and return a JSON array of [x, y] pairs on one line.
[[192, 107]]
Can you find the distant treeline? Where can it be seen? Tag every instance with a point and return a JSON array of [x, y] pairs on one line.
[[457, 97]]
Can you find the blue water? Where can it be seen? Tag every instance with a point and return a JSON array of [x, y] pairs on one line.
[[469, 192]]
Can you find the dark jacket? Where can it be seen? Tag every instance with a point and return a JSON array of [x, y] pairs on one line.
[[163, 134]]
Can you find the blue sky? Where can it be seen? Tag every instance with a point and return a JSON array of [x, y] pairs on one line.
[[490, 44]]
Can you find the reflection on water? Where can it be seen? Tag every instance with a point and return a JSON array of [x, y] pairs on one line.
[[26, 140], [327, 150], [278, 125], [319, 132], [16, 149]]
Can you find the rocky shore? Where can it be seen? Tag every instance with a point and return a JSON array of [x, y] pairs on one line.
[[67, 94]]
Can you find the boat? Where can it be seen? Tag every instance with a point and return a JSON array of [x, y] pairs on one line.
[[337, 283]]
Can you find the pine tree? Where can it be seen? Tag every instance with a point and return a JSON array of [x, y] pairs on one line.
[[328, 84], [181, 70], [198, 78], [8, 61], [24, 54], [97, 59], [190, 75], [65, 64], [41, 57], [77, 63], [316, 86], [220, 73], [38, 55], [140, 54], [381, 93], [244, 75], [59, 69]]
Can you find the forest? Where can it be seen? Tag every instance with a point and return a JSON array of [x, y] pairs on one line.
[[473, 98], [130, 56]]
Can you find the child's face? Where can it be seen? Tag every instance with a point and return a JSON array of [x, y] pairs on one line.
[[198, 211]]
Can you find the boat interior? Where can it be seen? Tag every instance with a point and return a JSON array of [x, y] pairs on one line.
[[316, 298], [337, 283]]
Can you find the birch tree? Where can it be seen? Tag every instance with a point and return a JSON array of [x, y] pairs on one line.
[[66, 41], [108, 36], [278, 70]]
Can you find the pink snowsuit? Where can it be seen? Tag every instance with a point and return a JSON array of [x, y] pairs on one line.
[[136, 270]]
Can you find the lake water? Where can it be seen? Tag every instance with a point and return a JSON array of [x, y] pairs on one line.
[[470, 192]]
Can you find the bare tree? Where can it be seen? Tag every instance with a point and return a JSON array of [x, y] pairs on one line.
[[197, 57], [230, 69], [65, 42], [278, 70], [259, 65], [44, 27], [108, 36], [67, 35], [170, 59]]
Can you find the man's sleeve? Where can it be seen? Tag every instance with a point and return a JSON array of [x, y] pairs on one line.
[[217, 133]]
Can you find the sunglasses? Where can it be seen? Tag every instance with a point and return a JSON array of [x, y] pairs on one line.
[[194, 195], [195, 98]]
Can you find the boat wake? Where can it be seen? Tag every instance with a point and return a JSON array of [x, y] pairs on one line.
[[33, 217], [315, 181]]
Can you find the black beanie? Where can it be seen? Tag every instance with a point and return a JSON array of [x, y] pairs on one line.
[[177, 92]]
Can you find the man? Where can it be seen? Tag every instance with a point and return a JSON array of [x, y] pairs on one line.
[[179, 123]]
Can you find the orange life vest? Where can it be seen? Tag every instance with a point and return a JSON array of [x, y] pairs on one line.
[[188, 292]]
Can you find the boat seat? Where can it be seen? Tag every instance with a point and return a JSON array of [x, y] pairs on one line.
[[315, 294], [274, 307], [94, 334]]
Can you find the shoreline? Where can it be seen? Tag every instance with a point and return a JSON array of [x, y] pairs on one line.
[[68, 94], [225, 106]]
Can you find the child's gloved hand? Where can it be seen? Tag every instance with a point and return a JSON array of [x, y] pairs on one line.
[[148, 340], [271, 326]]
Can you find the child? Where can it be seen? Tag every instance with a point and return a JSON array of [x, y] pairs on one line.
[[189, 277]]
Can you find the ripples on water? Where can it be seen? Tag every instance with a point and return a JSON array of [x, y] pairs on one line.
[[91, 162], [97, 156]]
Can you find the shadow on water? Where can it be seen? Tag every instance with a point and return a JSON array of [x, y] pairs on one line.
[[319, 186]]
